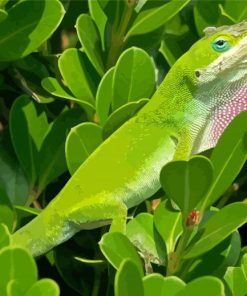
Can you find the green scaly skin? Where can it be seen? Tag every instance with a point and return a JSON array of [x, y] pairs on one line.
[[200, 95]]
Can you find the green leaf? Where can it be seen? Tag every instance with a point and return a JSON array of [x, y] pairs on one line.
[[206, 13], [141, 233], [28, 73], [203, 286], [17, 265], [140, 5], [100, 19], [31, 85], [110, 7], [33, 65], [187, 182], [73, 66], [217, 259], [13, 288], [237, 10], [128, 280], [244, 264], [24, 215], [70, 270], [28, 124], [129, 83], [116, 247], [226, 14], [104, 96], [156, 284], [171, 50], [3, 3], [3, 15], [82, 140], [168, 223], [149, 42], [151, 19], [228, 157], [236, 280], [217, 228], [5, 238], [89, 37], [6, 211], [122, 114], [44, 287], [13, 182], [52, 152], [52, 85], [28, 30]]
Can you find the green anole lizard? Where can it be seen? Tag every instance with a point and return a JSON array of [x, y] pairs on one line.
[[198, 98]]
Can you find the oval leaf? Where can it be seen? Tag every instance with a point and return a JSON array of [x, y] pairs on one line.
[[89, 37], [206, 14], [203, 286], [228, 157], [156, 284], [82, 140], [44, 287], [6, 211], [28, 30], [141, 233], [5, 238], [3, 15], [122, 114], [52, 152], [168, 223], [73, 67], [51, 85], [28, 125], [217, 228], [149, 20], [104, 96], [217, 259], [129, 83], [12, 262], [128, 280], [236, 280], [187, 182], [13, 181], [116, 247], [100, 19]]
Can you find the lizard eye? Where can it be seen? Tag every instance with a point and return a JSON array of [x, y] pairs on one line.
[[220, 45]]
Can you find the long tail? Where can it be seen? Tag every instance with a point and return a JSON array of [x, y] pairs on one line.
[[44, 232]]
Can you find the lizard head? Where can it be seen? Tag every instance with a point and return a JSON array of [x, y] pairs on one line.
[[219, 69]]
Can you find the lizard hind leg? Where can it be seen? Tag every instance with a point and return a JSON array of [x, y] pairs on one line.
[[99, 211]]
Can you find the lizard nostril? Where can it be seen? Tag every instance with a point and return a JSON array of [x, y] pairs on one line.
[[197, 73]]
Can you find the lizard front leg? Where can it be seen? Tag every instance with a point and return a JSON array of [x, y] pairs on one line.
[[95, 212]]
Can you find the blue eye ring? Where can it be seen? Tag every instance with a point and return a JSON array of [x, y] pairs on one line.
[[220, 45]]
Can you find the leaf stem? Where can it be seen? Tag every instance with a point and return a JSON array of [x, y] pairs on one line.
[[33, 196], [96, 285], [174, 261], [118, 32]]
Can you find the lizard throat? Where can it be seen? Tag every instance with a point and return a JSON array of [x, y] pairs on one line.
[[220, 112]]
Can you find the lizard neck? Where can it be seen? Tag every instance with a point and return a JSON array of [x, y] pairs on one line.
[[197, 113], [174, 106]]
